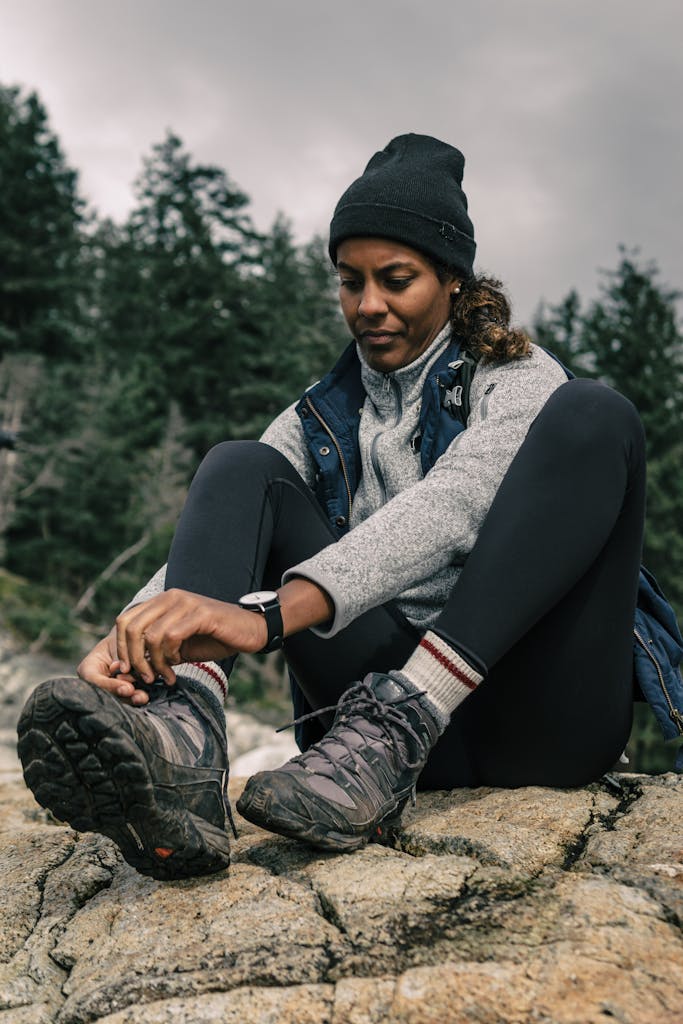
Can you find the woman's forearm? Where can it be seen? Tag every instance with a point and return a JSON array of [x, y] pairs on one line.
[[303, 604]]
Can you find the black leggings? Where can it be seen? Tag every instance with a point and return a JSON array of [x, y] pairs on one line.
[[545, 602]]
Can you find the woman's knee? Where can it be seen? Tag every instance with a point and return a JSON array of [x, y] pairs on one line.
[[586, 412], [238, 467], [237, 457]]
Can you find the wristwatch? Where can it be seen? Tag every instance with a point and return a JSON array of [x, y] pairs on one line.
[[267, 603]]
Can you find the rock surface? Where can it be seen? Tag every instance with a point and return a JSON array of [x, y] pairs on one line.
[[488, 906]]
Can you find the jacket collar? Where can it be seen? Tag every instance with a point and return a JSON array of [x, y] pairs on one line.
[[409, 379]]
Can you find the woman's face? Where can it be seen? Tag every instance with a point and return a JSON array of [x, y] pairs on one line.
[[392, 300]]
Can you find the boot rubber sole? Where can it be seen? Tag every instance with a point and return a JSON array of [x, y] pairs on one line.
[[258, 809], [81, 761]]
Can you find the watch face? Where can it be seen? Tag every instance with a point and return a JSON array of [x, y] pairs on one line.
[[258, 598]]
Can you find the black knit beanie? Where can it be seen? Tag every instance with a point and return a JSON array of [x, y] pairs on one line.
[[410, 192]]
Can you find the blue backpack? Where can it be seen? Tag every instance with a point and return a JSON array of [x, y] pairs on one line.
[[657, 653]]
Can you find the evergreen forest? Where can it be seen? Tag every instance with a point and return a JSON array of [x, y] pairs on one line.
[[127, 350]]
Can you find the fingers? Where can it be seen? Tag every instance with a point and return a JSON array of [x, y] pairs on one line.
[[160, 656], [131, 693], [98, 669], [130, 644], [149, 636], [177, 626], [128, 687]]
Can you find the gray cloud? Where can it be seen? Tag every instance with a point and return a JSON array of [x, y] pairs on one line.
[[567, 113]]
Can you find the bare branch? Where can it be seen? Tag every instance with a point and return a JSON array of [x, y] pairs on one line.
[[88, 594]]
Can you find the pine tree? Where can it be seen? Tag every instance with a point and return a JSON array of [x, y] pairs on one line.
[[41, 220], [292, 329], [173, 283], [43, 296]]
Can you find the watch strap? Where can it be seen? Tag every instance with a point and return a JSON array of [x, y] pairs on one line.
[[266, 603], [273, 616]]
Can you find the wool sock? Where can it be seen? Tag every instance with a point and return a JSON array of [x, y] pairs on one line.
[[208, 676], [441, 674]]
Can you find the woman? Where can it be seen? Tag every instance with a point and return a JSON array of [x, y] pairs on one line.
[[435, 563]]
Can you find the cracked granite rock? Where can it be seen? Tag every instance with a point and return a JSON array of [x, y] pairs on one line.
[[487, 906]]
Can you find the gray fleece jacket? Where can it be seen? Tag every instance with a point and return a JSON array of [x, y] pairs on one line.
[[410, 534]]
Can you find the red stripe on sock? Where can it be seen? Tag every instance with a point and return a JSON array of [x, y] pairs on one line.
[[214, 675], [447, 664]]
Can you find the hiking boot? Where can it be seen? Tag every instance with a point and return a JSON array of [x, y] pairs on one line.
[[352, 785], [152, 778]]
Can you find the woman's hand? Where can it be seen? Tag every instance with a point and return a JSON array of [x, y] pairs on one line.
[[179, 626], [102, 668]]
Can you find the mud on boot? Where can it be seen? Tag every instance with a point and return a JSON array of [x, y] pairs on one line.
[[152, 778], [351, 786]]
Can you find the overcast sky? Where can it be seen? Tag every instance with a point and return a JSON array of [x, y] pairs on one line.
[[568, 113]]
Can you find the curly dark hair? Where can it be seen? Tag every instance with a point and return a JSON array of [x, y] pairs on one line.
[[481, 316]]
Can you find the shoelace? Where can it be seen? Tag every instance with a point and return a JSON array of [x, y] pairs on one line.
[[363, 699]]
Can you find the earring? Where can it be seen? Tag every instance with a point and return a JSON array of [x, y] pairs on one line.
[[456, 290]]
